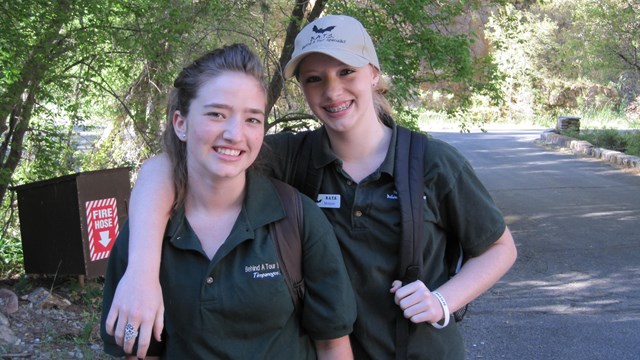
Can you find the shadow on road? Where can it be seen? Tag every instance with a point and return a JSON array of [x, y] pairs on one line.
[[574, 292]]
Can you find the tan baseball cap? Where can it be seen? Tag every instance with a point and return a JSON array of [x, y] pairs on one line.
[[339, 36]]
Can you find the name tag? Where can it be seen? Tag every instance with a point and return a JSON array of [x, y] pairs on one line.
[[330, 201]]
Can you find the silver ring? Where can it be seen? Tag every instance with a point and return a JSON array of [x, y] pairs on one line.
[[129, 333]]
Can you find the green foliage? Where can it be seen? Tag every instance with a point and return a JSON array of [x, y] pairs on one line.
[[408, 117], [633, 144], [604, 138], [11, 256], [611, 139], [606, 36], [521, 40], [48, 147]]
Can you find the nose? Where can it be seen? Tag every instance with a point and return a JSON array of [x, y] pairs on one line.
[[333, 87], [232, 129]]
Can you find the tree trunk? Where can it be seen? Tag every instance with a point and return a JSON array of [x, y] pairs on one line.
[[19, 121], [299, 12], [19, 101]]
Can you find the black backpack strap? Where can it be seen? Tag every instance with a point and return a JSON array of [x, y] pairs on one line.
[[307, 178], [408, 174], [287, 237]]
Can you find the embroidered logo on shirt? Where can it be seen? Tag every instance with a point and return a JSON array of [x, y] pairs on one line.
[[329, 201], [265, 270], [394, 196]]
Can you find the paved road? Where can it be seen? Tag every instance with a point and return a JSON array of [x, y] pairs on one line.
[[574, 292]]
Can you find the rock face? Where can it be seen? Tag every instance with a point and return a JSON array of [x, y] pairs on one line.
[[8, 302], [8, 305], [595, 95], [7, 336], [474, 23]]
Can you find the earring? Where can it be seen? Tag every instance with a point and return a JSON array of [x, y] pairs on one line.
[[183, 136]]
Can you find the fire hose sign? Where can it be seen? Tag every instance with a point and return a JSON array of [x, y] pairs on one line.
[[102, 226]]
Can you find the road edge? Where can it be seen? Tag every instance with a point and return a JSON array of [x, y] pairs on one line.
[[581, 147]]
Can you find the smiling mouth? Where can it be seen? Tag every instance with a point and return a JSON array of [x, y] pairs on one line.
[[342, 107], [229, 152]]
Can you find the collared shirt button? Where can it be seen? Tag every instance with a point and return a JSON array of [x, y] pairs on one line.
[[209, 280], [358, 213], [349, 182]]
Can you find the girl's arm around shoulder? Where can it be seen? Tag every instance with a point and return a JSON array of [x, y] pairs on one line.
[[149, 208], [334, 349]]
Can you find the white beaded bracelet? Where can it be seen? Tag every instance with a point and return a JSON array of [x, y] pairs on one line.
[[445, 308]]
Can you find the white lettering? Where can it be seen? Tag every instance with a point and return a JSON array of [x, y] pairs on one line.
[[257, 275], [264, 270], [102, 213], [251, 268], [101, 224]]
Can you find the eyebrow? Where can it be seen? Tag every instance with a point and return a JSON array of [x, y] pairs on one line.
[[224, 106]]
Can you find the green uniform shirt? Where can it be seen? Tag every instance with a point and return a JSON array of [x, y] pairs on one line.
[[237, 305], [366, 218]]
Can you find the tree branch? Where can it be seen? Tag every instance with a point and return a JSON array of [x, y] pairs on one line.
[[298, 13]]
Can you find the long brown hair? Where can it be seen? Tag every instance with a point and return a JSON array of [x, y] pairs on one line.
[[235, 58]]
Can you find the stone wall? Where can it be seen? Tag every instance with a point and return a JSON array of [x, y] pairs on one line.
[[585, 148]]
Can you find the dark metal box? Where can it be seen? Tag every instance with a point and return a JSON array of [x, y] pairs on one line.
[[68, 224]]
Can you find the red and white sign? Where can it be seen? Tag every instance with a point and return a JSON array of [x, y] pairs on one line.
[[102, 226]]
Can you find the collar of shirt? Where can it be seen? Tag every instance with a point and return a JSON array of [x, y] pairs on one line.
[[261, 206], [327, 155]]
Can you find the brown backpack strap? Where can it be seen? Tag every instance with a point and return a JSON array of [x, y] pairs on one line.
[[287, 237]]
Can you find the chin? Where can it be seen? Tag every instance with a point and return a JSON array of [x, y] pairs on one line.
[[340, 124]]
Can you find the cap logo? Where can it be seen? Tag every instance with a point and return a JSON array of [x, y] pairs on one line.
[[320, 30], [323, 34]]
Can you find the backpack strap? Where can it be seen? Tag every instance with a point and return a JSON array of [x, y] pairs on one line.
[[408, 174], [287, 237]]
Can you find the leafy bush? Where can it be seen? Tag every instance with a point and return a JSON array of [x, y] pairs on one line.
[[605, 138], [633, 143], [612, 139], [11, 256]]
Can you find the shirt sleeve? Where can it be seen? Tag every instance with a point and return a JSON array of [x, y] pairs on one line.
[[329, 308], [466, 209], [277, 155]]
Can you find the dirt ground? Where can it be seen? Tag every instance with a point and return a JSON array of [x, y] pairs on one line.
[[69, 331]]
